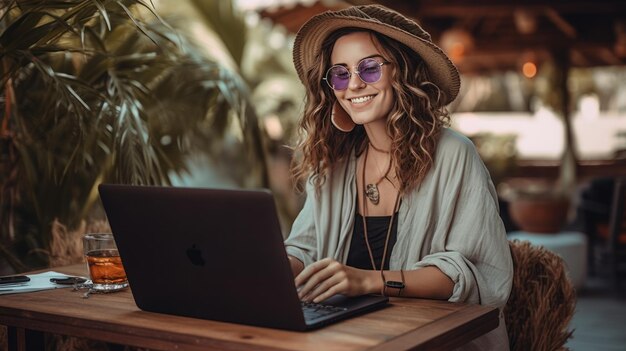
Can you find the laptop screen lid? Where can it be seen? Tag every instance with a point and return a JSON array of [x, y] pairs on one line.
[[204, 253]]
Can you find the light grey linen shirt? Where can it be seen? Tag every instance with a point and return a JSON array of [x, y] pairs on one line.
[[451, 221]]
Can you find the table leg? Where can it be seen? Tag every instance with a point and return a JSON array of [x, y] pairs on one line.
[[21, 339]]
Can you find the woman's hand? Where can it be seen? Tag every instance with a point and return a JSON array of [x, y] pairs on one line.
[[328, 277]]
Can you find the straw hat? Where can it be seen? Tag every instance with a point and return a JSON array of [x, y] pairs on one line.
[[378, 18]]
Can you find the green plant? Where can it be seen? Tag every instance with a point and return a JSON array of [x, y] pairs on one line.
[[101, 91]]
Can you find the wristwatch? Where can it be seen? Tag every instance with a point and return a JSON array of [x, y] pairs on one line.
[[393, 284]]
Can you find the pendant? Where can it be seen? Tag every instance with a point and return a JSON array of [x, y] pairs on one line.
[[371, 191]]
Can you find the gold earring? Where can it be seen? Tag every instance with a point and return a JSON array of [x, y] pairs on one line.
[[340, 118]]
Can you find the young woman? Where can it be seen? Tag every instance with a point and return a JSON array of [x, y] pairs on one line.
[[397, 204]]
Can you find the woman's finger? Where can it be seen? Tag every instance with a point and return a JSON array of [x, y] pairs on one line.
[[310, 279], [335, 289], [326, 284], [310, 270]]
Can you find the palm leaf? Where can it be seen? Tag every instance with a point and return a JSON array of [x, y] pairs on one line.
[[227, 23], [97, 92]]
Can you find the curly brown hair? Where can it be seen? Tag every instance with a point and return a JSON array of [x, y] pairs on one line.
[[414, 124]]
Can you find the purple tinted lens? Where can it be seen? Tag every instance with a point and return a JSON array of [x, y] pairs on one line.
[[339, 77], [369, 70]]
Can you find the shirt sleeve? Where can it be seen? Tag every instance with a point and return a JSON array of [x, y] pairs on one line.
[[470, 244], [302, 240]]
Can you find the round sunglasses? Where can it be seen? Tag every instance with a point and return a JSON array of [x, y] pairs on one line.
[[369, 71]]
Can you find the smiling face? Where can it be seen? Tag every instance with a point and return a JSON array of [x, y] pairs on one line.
[[365, 103]]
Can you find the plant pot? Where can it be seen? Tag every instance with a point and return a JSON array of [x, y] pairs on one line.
[[539, 215]]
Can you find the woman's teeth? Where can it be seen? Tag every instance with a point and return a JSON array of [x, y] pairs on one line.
[[362, 99]]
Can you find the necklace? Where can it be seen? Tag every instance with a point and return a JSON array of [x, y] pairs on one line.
[[367, 243], [377, 149], [371, 190]]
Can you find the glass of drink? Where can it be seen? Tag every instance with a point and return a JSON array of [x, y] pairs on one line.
[[105, 265]]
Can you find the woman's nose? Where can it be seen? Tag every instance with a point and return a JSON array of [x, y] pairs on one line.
[[355, 81]]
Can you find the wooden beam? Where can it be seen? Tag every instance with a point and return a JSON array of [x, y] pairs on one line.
[[292, 18], [511, 58], [560, 22], [508, 43], [609, 57], [499, 8]]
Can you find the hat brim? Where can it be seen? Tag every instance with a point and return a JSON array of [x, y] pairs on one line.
[[310, 37]]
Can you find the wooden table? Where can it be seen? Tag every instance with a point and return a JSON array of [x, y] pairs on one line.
[[414, 324]]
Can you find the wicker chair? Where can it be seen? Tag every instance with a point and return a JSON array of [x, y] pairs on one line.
[[542, 300]]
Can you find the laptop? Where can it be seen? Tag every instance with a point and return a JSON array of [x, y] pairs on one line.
[[214, 254]]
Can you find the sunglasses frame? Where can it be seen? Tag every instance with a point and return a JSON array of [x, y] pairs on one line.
[[355, 71]]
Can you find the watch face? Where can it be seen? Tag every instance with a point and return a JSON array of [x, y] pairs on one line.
[[394, 284]]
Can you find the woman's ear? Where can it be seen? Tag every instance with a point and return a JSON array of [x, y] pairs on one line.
[[340, 118]]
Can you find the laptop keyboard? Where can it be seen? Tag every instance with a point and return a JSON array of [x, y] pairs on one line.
[[317, 310]]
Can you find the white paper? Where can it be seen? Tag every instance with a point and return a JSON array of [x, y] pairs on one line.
[[37, 282]]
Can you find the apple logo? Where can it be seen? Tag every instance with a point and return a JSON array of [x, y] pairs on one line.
[[195, 256]]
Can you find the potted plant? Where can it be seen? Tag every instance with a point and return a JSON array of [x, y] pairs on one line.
[[101, 91], [542, 205]]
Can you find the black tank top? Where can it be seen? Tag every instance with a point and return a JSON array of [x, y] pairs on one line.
[[377, 226]]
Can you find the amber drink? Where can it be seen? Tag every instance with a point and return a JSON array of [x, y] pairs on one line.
[[105, 265]]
